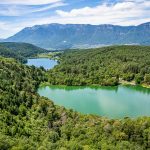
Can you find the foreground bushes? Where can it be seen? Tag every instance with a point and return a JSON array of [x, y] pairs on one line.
[[31, 122]]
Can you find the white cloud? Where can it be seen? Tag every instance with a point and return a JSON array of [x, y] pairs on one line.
[[29, 2], [17, 10], [119, 13], [51, 6], [126, 12], [6, 29]]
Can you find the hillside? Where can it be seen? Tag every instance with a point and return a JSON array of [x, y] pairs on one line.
[[6, 52], [24, 49], [59, 36], [103, 66], [19, 51], [29, 121]]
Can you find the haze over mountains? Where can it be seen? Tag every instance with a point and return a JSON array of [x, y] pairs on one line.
[[59, 36]]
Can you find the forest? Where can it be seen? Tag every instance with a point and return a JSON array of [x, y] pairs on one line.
[[19, 51], [31, 122], [102, 66]]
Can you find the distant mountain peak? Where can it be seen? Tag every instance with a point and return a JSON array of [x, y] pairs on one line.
[[52, 36], [145, 24]]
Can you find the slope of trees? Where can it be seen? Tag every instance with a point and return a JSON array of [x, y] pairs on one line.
[[19, 51], [103, 66], [9, 53], [24, 49], [31, 122]]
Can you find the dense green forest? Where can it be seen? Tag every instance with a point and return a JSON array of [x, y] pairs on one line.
[[9, 53], [31, 122], [103, 66], [19, 51]]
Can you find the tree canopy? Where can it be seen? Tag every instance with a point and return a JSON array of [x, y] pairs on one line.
[[19, 51], [28, 121], [103, 66]]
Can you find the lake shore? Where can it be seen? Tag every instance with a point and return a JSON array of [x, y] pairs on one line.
[[123, 82], [97, 85]]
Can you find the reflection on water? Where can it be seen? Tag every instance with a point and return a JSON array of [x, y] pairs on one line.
[[42, 62], [113, 102], [70, 88]]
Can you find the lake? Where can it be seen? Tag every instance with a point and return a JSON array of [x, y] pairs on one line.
[[44, 62], [112, 102]]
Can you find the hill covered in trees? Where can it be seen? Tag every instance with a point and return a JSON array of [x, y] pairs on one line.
[[9, 53], [103, 66], [28, 121], [19, 51]]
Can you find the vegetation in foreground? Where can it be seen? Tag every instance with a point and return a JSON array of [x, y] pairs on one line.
[[103, 66], [31, 122]]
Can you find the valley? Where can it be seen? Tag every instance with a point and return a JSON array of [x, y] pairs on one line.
[[96, 102], [73, 65], [65, 91], [75, 75]]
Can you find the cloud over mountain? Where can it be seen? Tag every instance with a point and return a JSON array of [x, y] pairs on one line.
[[17, 14]]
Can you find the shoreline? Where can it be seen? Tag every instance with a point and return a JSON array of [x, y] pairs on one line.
[[97, 85]]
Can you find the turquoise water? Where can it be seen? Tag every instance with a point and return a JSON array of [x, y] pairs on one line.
[[112, 102], [44, 62]]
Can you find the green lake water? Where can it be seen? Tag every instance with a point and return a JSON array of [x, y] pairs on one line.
[[112, 102]]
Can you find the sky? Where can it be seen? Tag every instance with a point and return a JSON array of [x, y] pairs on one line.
[[18, 14]]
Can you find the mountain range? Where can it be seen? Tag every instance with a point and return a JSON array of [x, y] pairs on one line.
[[63, 36]]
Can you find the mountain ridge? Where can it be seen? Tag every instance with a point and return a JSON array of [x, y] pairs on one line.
[[63, 36]]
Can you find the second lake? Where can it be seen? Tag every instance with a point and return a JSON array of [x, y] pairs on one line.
[[44, 62]]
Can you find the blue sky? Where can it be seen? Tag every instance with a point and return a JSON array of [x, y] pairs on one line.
[[17, 14]]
